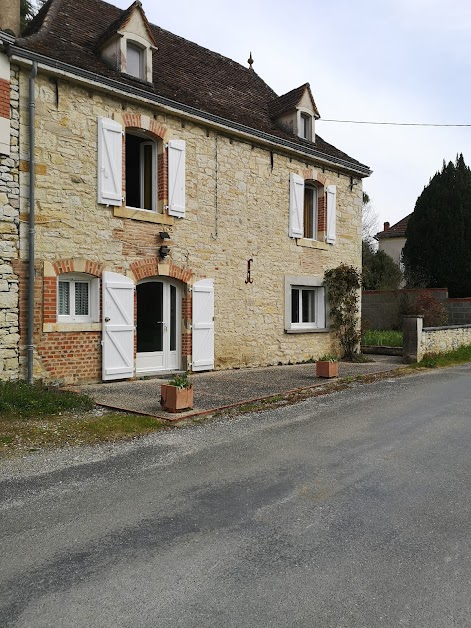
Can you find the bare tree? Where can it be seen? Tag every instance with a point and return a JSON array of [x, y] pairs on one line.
[[369, 222]]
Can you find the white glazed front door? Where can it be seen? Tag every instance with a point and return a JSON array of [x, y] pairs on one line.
[[158, 326]]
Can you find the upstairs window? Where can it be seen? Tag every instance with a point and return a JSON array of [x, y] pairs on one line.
[[306, 126], [311, 212], [141, 172], [135, 60]]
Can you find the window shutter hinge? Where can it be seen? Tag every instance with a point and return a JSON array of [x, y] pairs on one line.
[[166, 207]]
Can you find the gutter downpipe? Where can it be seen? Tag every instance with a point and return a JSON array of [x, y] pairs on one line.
[[32, 111]]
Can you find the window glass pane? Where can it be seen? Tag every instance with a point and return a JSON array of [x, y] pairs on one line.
[[134, 61], [308, 306], [147, 174], [308, 213], [306, 126], [295, 305], [173, 318], [64, 298], [150, 325], [81, 298], [133, 179]]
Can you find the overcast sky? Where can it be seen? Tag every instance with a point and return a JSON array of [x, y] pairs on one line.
[[369, 60]]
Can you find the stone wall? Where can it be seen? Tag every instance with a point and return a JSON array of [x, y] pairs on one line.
[[9, 242], [237, 200], [419, 340]]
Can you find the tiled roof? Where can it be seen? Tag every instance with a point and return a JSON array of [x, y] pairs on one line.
[[69, 31], [396, 231]]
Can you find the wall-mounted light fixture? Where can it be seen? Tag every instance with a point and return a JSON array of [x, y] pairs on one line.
[[163, 252], [352, 183]]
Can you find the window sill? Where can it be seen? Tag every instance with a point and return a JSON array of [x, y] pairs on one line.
[[143, 215], [307, 330], [67, 327], [312, 244]]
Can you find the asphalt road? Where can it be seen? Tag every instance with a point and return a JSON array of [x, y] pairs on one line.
[[351, 509]]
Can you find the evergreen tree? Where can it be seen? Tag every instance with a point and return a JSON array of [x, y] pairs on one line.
[[379, 270], [437, 253]]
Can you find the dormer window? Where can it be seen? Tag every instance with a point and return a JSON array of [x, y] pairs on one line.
[[135, 64], [306, 126]]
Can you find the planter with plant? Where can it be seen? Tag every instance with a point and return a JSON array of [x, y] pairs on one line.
[[327, 366], [177, 395]]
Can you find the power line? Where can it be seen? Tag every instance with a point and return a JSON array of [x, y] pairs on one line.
[[395, 123]]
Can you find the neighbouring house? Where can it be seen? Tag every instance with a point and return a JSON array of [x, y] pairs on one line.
[[392, 239], [161, 207]]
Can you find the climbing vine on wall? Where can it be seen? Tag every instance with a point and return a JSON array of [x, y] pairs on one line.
[[342, 285]]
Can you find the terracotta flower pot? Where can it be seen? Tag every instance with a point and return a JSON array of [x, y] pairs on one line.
[[175, 399], [327, 369]]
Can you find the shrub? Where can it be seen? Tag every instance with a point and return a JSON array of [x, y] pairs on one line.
[[426, 305]]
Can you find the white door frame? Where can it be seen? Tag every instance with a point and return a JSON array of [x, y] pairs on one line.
[[165, 360]]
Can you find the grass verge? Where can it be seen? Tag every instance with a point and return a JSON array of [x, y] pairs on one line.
[[34, 417], [382, 338], [448, 358]]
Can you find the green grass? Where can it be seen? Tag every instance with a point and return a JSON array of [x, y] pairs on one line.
[[33, 400], [382, 338], [449, 358], [36, 416]]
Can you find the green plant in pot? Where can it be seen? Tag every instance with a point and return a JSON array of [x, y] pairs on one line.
[[177, 395], [327, 366]]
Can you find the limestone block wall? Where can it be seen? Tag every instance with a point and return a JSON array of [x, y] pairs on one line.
[[237, 201], [442, 339], [9, 241], [419, 340]]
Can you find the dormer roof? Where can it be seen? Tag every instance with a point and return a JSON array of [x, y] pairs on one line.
[[291, 101], [122, 21]]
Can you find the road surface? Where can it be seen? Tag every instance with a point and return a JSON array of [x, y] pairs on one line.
[[352, 509]]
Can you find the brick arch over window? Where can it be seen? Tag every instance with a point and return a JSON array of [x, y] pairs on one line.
[[144, 123], [158, 133], [60, 267], [150, 267]]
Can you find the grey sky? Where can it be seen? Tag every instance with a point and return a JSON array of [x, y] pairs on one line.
[[383, 60]]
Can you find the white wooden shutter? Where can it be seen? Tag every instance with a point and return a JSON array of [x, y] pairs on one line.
[[203, 325], [176, 178], [110, 159], [331, 214], [118, 326], [296, 206]]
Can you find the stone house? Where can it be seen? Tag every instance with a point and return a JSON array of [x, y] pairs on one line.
[[161, 207]]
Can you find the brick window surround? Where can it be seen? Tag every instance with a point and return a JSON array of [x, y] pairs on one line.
[[154, 131], [150, 267], [51, 272]]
